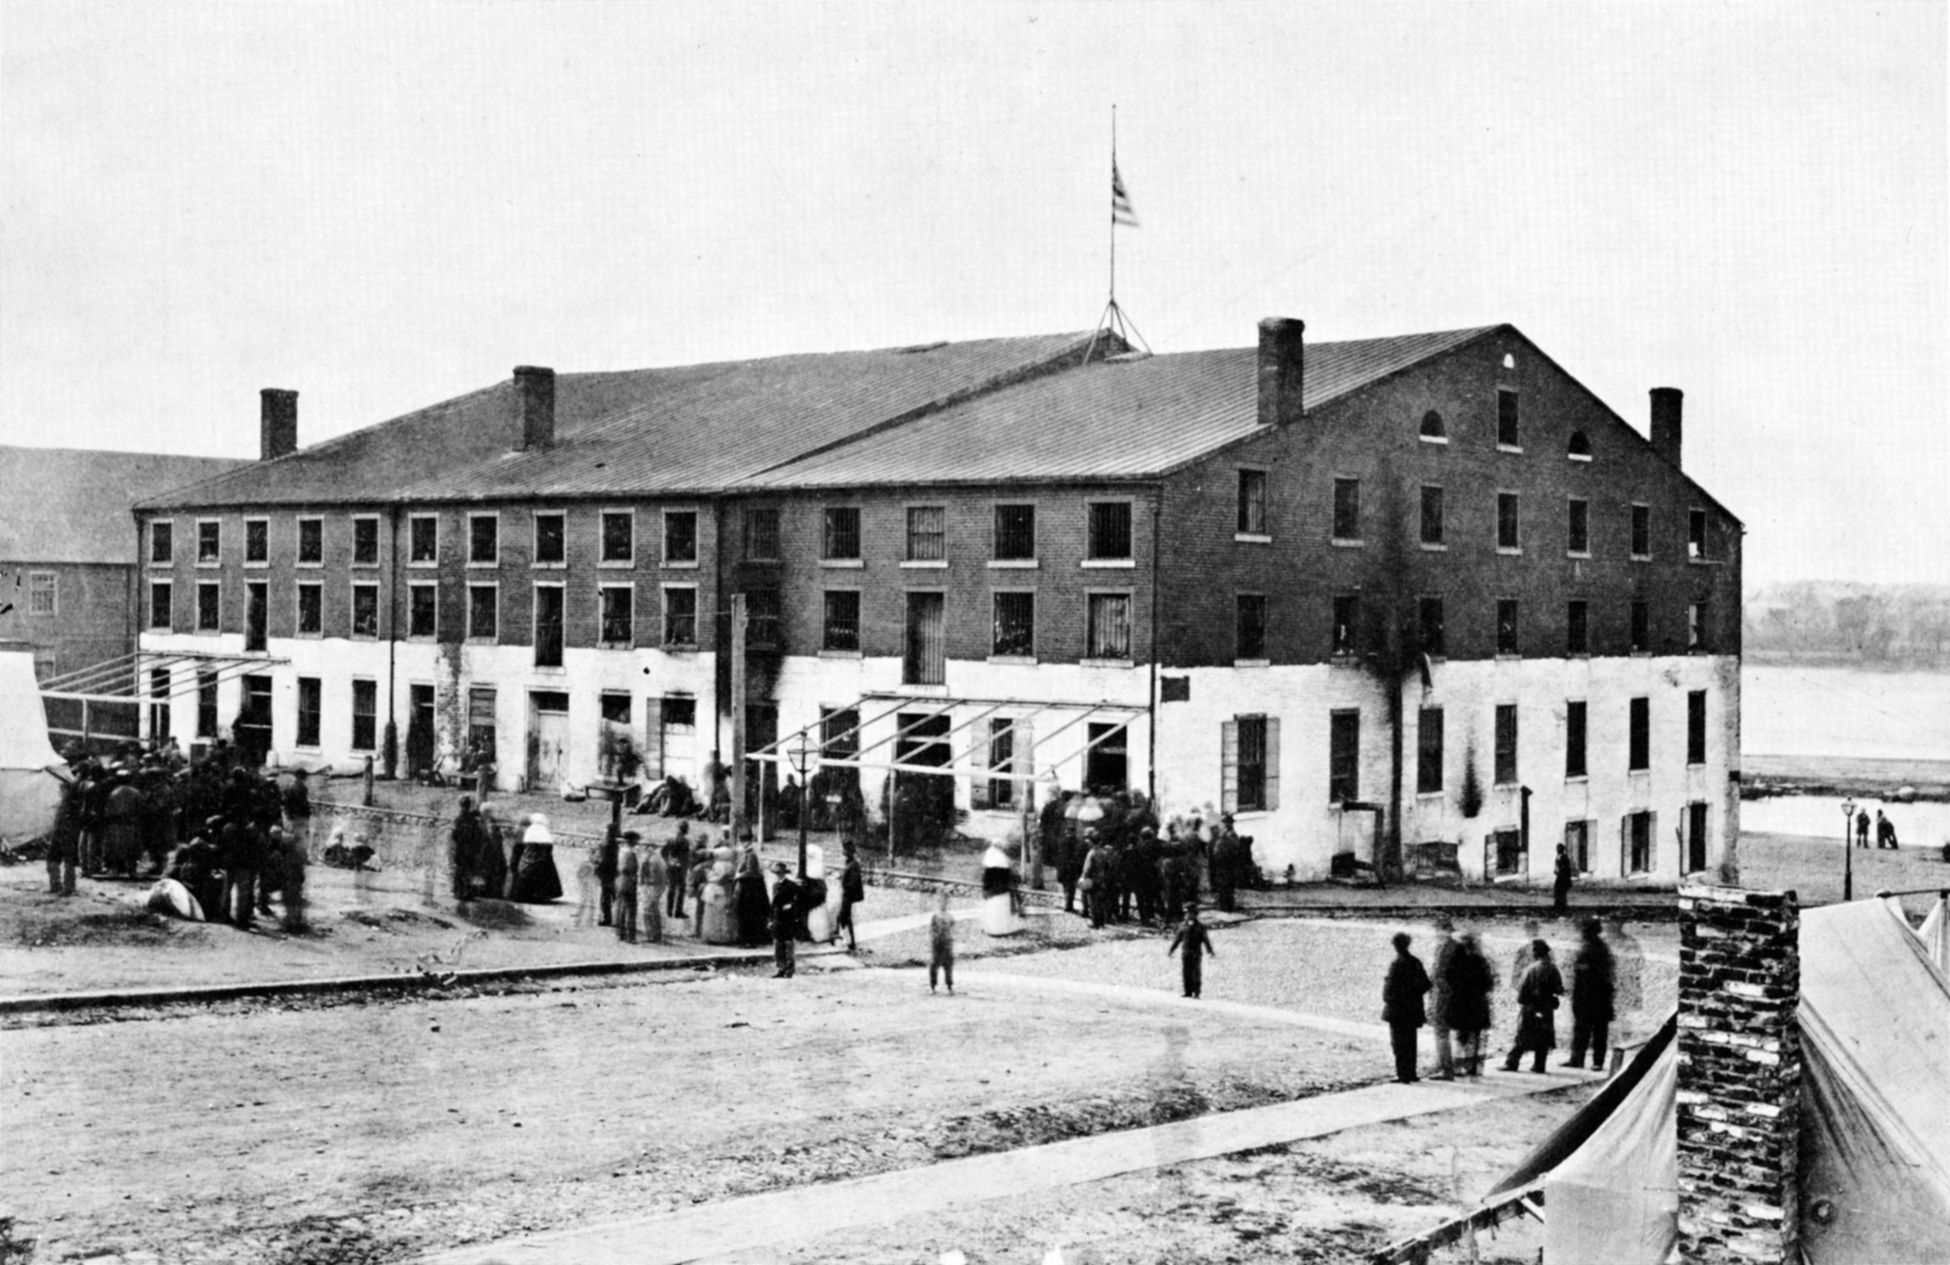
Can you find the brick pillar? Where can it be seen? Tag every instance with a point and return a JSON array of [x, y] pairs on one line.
[[1739, 1075]]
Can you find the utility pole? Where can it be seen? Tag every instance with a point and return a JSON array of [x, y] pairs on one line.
[[737, 719]]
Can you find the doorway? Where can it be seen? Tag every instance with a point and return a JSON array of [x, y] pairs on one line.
[[922, 805], [253, 731], [1695, 837], [419, 730], [548, 738], [1107, 768]]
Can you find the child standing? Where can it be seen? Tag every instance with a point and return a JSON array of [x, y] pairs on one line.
[[1198, 942], [623, 901], [941, 943]]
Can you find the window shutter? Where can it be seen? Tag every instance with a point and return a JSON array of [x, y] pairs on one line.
[[1624, 845], [1229, 766], [653, 738], [1651, 842], [1489, 854], [978, 787], [1272, 762]]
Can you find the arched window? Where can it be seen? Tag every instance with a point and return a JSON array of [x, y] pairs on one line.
[[1432, 426], [1580, 447]]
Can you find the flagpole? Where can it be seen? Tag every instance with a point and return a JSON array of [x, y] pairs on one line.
[[1113, 204]]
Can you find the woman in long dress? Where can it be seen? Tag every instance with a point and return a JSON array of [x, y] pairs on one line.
[[490, 863], [753, 905], [535, 881]]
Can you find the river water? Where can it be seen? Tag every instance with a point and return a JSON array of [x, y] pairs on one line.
[[1816, 711]]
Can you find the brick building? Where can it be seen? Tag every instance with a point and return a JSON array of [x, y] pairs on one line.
[[1419, 600]]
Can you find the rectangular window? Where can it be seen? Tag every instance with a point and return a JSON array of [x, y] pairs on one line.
[[1696, 727], [1696, 535], [842, 620], [365, 610], [257, 540], [925, 661], [1434, 634], [1110, 530], [1507, 534], [206, 703], [311, 542], [762, 627], [1641, 626], [1347, 509], [680, 616], [1108, 762], [480, 721], [551, 540], [1640, 753], [550, 614], [365, 715], [483, 612], [209, 617], [257, 615], [1015, 533], [1251, 770], [483, 539], [209, 540], [1641, 531], [1109, 633], [927, 533], [311, 610], [1431, 514], [1577, 844], [1249, 626], [840, 533], [762, 533], [1507, 855], [1507, 641], [1252, 503], [1696, 626], [40, 592], [422, 610], [1574, 746], [1638, 843], [1015, 625], [839, 732], [1506, 744], [680, 538], [161, 720], [1507, 433], [161, 593], [1696, 840], [1577, 627], [422, 540], [1428, 752], [162, 544], [1343, 757], [311, 705], [1002, 761], [619, 538], [1345, 636], [365, 542], [618, 614], [1578, 528]]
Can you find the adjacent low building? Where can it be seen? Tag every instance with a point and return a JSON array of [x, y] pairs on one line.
[[1419, 601]]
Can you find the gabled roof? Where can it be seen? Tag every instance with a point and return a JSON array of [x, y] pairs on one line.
[[698, 428], [72, 505], [1118, 419]]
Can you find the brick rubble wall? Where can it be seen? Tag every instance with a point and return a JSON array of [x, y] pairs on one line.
[[1739, 1102]]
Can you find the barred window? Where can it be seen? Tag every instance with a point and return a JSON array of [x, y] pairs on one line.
[[1252, 502], [423, 539], [1015, 625], [551, 540], [618, 614], [1110, 529], [842, 620], [1015, 532], [619, 536], [762, 618], [1109, 633], [927, 533], [680, 616], [762, 533], [680, 537], [840, 536]]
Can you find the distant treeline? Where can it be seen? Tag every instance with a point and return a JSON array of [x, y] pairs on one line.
[[1863, 623]]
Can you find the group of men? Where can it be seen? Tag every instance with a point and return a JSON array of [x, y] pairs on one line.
[[229, 835], [1122, 870], [1885, 830], [1459, 993]]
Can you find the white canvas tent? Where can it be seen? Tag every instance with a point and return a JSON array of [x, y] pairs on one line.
[[1935, 935], [30, 771]]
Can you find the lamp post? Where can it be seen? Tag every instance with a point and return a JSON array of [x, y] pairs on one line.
[[1848, 852], [802, 760]]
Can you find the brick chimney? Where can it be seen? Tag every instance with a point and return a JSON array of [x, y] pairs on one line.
[[1282, 370], [1665, 422], [1739, 1100], [534, 408], [277, 431]]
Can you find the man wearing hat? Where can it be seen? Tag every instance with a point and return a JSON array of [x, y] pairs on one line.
[[297, 810], [1225, 863], [1441, 975], [623, 889], [1401, 1006], [785, 921], [1197, 942]]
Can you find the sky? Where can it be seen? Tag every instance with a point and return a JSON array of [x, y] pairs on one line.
[[386, 205]]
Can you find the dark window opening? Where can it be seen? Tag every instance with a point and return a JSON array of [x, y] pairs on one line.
[[1432, 427], [1431, 515], [618, 615], [483, 538], [1577, 844], [839, 732], [365, 542], [161, 719], [1435, 637], [1579, 445], [1251, 766], [680, 617], [365, 715], [422, 611], [162, 543], [206, 704], [1695, 837], [762, 533], [1343, 756], [1696, 535], [208, 607], [1577, 627], [1696, 727], [1002, 760], [257, 540], [365, 610], [842, 620], [1249, 626], [1507, 854], [311, 707], [1578, 528], [1507, 434], [1106, 767], [1015, 532], [1346, 634], [840, 539], [423, 539], [209, 541], [1574, 745], [482, 609], [160, 598], [680, 537], [1428, 752], [1347, 509], [1696, 626], [548, 626], [927, 533], [257, 616], [1641, 630], [1252, 502], [311, 609], [1641, 531], [311, 541], [1015, 625], [1638, 843], [1507, 641], [1110, 530], [1506, 744], [1506, 521], [480, 722], [619, 536], [551, 540], [1639, 755], [762, 623]]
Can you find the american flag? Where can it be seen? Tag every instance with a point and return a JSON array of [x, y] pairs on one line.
[[1120, 199]]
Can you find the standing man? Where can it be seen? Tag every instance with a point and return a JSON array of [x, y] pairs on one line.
[[64, 844], [297, 811], [1885, 831], [941, 944], [606, 867], [785, 920], [1561, 880], [1536, 1005], [1862, 828], [1591, 998], [241, 848], [623, 886], [677, 868], [1401, 1006], [1093, 879], [1198, 942], [653, 875], [465, 841], [1442, 981], [1225, 863], [853, 890]]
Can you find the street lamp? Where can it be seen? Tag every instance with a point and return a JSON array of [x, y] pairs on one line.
[[802, 760], [1848, 853]]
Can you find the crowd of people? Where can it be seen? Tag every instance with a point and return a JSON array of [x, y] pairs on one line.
[[219, 839], [1455, 1001], [1115, 862]]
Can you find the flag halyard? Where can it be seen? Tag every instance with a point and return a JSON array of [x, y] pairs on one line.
[[1120, 200]]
